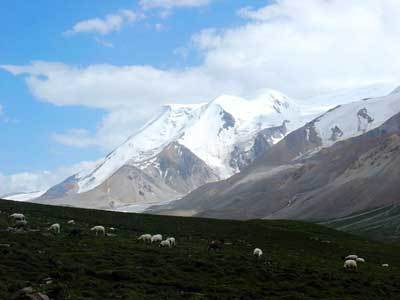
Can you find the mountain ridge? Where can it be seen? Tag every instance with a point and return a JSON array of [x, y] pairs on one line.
[[226, 134], [279, 179]]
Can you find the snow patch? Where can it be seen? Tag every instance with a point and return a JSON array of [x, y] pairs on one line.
[[24, 196]]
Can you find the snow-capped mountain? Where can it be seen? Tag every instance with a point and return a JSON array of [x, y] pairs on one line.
[[353, 119], [220, 138], [343, 162], [209, 130], [187, 146]]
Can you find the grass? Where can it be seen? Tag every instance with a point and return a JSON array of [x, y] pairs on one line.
[[301, 260], [381, 224]]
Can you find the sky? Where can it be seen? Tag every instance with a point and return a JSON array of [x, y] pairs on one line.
[[78, 77]]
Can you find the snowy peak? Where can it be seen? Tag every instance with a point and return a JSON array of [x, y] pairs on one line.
[[395, 91], [355, 118], [266, 102], [211, 131], [230, 124], [146, 143]]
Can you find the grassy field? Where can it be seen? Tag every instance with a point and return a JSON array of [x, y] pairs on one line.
[[301, 260], [380, 224]]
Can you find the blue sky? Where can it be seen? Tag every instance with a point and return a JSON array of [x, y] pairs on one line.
[[78, 77], [33, 30]]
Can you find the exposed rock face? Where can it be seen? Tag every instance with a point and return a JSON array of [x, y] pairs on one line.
[[364, 119], [350, 176], [65, 188], [172, 173], [264, 140], [336, 133], [228, 119], [179, 169]]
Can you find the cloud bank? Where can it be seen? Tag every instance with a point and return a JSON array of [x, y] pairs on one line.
[[38, 181]]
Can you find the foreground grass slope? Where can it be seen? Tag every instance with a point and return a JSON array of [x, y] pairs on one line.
[[301, 260]]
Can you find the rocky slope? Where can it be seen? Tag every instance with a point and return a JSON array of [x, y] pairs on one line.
[[173, 172]]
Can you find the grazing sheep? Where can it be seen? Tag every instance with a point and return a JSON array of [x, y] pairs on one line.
[[360, 260], [112, 229], [257, 252], [72, 222], [165, 243], [351, 257], [172, 241], [99, 229], [156, 238], [215, 245], [55, 228], [350, 265], [385, 265], [145, 237], [17, 217], [20, 223]]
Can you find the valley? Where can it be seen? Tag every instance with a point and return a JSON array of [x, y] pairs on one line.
[[300, 261]]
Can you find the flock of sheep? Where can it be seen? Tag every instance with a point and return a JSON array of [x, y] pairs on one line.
[[20, 221], [158, 238], [350, 263]]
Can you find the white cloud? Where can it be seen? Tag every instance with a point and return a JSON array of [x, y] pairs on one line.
[[159, 26], [113, 87], [299, 47], [168, 4], [104, 43], [115, 127], [106, 25], [75, 137], [40, 180]]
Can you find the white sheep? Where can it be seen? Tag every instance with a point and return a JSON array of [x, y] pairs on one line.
[[165, 243], [385, 265], [99, 229], [17, 216], [257, 252], [172, 241], [55, 228], [20, 223], [156, 238], [350, 265], [351, 257], [112, 229], [360, 260], [145, 237], [72, 222]]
